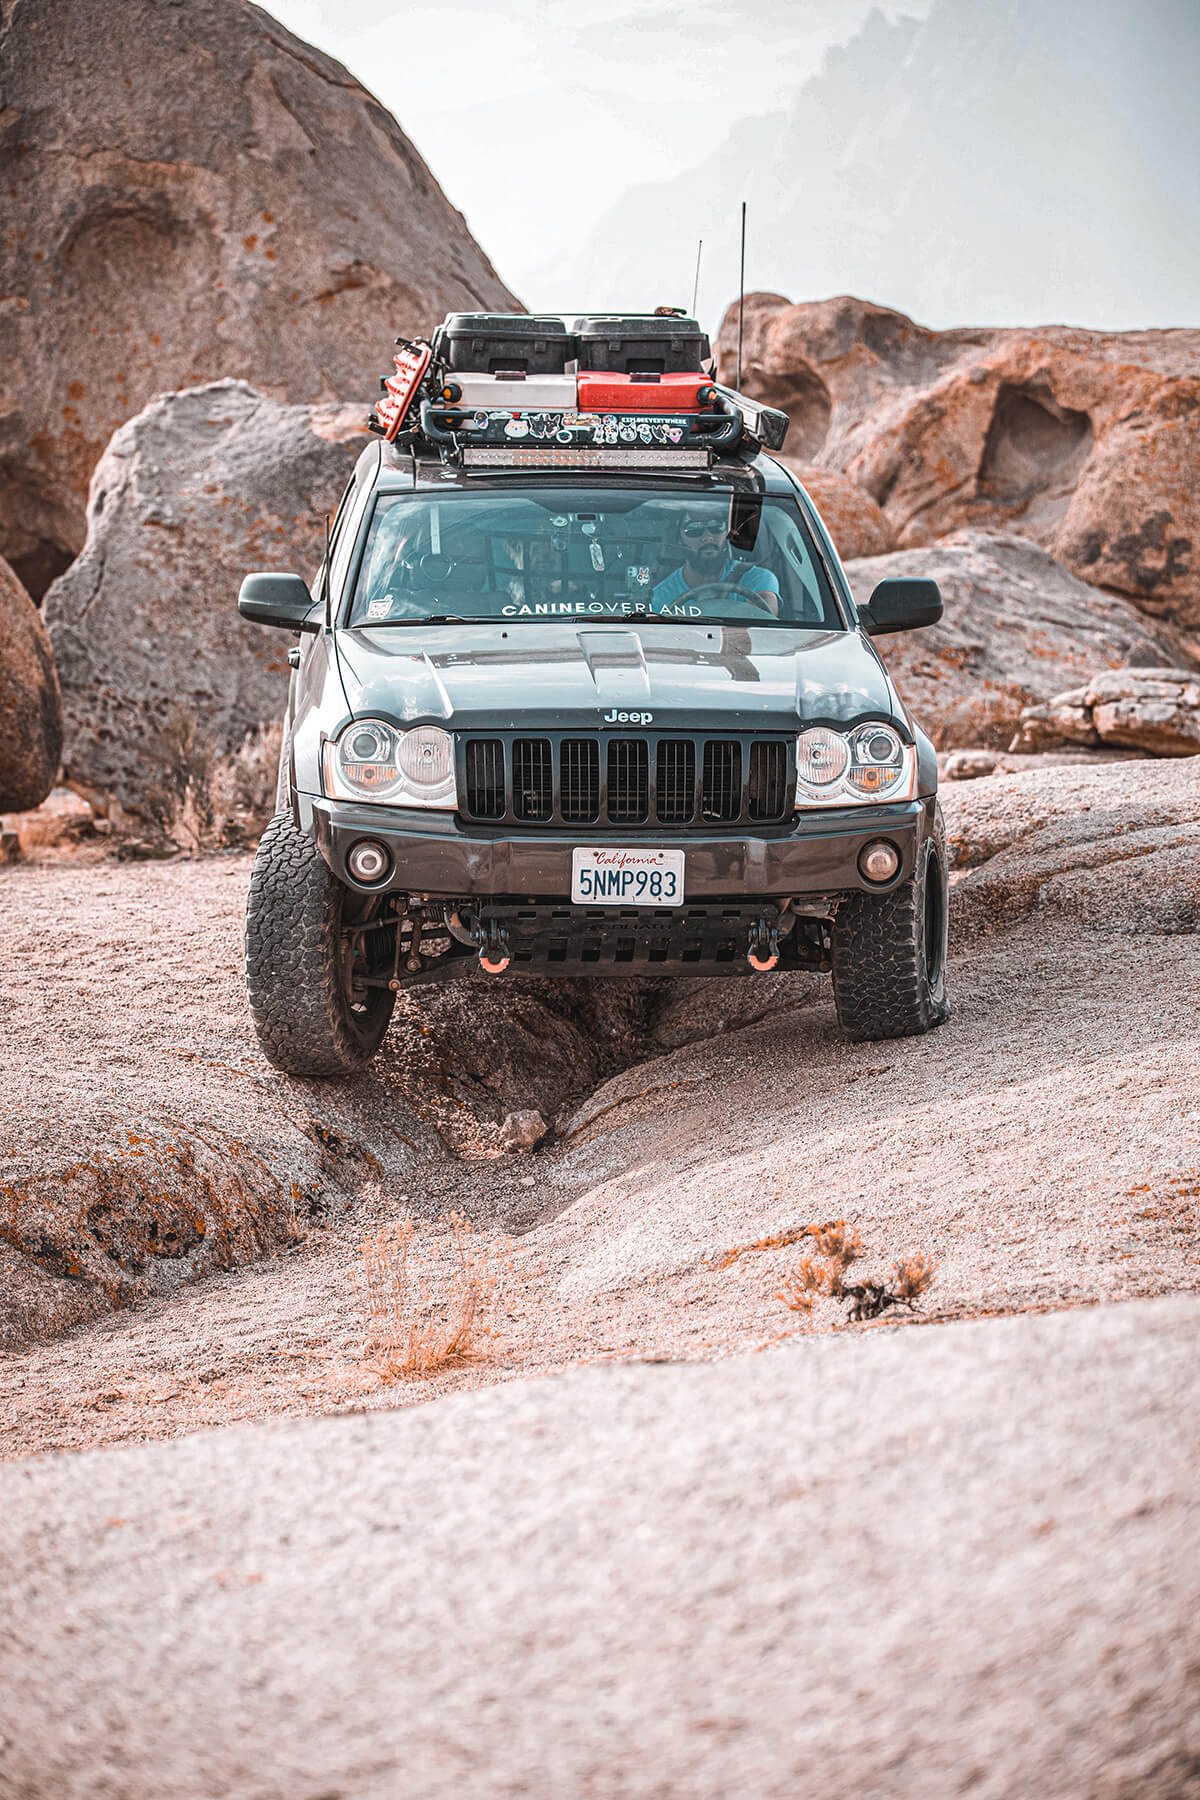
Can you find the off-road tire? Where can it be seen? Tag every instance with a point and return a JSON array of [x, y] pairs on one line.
[[889, 952], [295, 977]]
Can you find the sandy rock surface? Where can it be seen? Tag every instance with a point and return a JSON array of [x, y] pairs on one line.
[[204, 196], [144, 1139], [1087, 442], [158, 671], [1156, 711], [934, 1563], [1111, 849], [1041, 1146], [1017, 628], [947, 1553], [30, 707]]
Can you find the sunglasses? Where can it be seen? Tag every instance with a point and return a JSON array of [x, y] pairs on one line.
[[693, 533]]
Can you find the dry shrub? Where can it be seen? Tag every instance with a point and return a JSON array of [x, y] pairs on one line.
[[808, 1279], [242, 786], [912, 1277], [778, 1240], [429, 1298], [204, 801], [840, 1245]]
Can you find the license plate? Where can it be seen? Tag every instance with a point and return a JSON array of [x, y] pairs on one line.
[[627, 877]]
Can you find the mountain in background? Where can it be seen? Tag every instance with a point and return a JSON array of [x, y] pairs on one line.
[[1003, 161]]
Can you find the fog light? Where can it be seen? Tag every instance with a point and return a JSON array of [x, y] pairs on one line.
[[878, 861], [368, 861]]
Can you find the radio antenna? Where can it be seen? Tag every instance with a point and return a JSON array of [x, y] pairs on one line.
[[696, 283], [741, 299]]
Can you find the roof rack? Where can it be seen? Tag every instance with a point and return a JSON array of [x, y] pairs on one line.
[[616, 391]]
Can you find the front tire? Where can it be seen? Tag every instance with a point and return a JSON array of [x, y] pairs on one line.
[[310, 1017], [889, 952]]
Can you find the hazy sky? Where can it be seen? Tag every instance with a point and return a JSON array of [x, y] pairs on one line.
[[536, 117]]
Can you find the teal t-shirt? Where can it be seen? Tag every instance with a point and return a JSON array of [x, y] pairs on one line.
[[748, 575]]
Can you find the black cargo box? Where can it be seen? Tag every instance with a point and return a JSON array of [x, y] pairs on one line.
[[490, 343], [645, 344]]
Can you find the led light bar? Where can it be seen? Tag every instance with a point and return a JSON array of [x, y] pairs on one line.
[[585, 456]]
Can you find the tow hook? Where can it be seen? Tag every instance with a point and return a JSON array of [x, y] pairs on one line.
[[493, 950], [762, 953]]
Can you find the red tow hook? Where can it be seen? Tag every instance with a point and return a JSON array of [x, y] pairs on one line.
[[494, 955], [762, 953]]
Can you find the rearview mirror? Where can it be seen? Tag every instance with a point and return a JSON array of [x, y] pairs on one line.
[[903, 603], [278, 600]]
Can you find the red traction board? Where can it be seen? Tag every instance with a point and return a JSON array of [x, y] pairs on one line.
[[602, 391], [411, 363]]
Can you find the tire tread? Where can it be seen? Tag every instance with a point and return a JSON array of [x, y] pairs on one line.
[[880, 983], [292, 947]]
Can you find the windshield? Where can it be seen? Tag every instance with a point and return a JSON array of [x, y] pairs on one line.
[[592, 553]]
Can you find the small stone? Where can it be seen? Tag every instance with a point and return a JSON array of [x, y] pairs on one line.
[[522, 1130], [969, 765], [10, 847]]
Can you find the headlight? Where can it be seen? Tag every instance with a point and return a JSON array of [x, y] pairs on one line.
[[373, 761], [869, 763], [822, 757]]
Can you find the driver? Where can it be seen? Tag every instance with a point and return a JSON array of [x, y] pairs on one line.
[[708, 559]]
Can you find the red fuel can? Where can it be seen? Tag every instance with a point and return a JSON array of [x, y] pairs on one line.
[[602, 392]]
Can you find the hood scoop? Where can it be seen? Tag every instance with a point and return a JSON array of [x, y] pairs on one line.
[[617, 665]]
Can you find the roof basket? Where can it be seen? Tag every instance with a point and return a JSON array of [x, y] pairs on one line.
[[457, 397]]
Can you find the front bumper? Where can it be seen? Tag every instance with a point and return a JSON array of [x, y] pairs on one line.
[[434, 854]]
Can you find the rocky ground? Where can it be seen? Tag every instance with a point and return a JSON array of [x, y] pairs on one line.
[[956, 1561], [1043, 1148]]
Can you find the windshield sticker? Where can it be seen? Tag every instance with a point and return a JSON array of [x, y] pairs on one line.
[[379, 609], [541, 609]]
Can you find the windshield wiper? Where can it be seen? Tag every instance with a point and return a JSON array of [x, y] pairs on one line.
[[430, 619]]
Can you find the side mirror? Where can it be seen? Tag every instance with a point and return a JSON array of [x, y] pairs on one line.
[[903, 603], [278, 600]]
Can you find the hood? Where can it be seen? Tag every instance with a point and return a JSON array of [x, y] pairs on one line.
[[568, 676]]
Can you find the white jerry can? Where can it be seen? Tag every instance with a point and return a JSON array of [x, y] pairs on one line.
[[532, 393]]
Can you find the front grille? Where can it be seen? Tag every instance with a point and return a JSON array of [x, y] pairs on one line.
[[485, 778], [626, 781], [533, 780], [580, 781], [676, 782], [768, 778], [722, 779]]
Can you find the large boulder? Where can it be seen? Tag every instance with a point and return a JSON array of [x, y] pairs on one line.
[[30, 711], [191, 192], [157, 668], [1114, 848], [856, 522], [1156, 711], [1017, 629], [1085, 441]]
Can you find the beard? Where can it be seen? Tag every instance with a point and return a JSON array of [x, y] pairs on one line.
[[709, 559]]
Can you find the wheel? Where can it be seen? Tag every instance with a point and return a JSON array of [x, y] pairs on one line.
[[312, 1014], [889, 952]]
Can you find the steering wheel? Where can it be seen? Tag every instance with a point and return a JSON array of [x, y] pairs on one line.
[[721, 588]]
